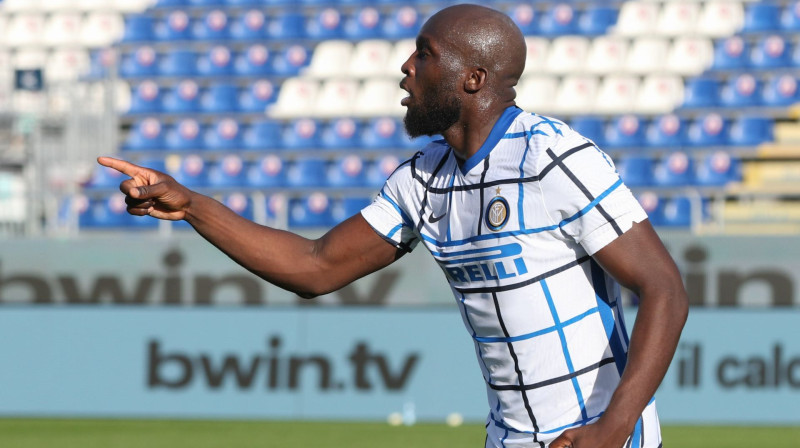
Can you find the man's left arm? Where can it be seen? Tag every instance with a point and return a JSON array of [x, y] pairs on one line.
[[640, 262]]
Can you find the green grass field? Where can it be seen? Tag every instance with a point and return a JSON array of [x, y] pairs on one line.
[[52, 433]]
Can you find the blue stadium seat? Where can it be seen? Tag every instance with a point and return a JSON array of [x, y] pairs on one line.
[[701, 92], [287, 25], [101, 62], [590, 127], [171, 3], [249, 26], [732, 53], [348, 171], [227, 172], [761, 16], [653, 206], [636, 171], [178, 63], [263, 135], [104, 177], [190, 170], [218, 61], [146, 98], [403, 23], [560, 20], [253, 61], [224, 134], [708, 130], [214, 26], [382, 133], [326, 24], [258, 97], [244, 2], [138, 28], [240, 203], [718, 169], [203, 3], [183, 98], [267, 172], [220, 98], [596, 20], [146, 134], [772, 52], [677, 212], [790, 17], [307, 172], [526, 18], [110, 212], [142, 63], [625, 131], [341, 133], [741, 91], [154, 163], [290, 61], [301, 134], [365, 23], [349, 206], [667, 131], [751, 130], [380, 170], [781, 90], [186, 135], [175, 27], [675, 170], [313, 211]]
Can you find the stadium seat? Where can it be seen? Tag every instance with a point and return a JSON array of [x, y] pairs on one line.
[[675, 170], [636, 171], [258, 97], [60, 5], [175, 27], [659, 94], [66, 65], [250, 26], [110, 212], [220, 98], [331, 58], [17, 6], [403, 23], [267, 172], [708, 130], [690, 56], [526, 18], [637, 18], [626, 131], [229, 171], [677, 212], [607, 54], [129, 6], [314, 211], [590, 127], [336, 98], [225, 134], [214, 26], [171, 3], [146, 98], [647, 55], [348, 206], [732, 53], [301, 134], [596, 20], [761, 16], [241, 204], [576, 94], [145, 135], [291, 61], [178, 63], [347, 172], [296, 98], [202, 3], [720, 18], [401, 51], [154, 163], [365, 23], [741, 91], [781, 90], [142, 63], [653, 206], [287, 25], [307, 172], [138, 28], [254, 61], [369, 58], [701, 92], [326, 24], [617, 94], [381, 133], [718, 169], [559, 20], [342, 133], [106, 178], [380, 170], [101, 29], [567, 55], [24, 30], [218, 61], [666, 131], [183, 98], [100, 63], [263, 135], [537, 93], [379, 97], [790, 17], [772, 52], [186, 135], [189, 170], [678, 18], [751, 130], [537, 52]]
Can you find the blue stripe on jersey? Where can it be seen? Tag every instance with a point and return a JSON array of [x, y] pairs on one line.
[[449, 201], [394, 230], [405, 217], [637, 434], [522, 337], [497, 133], [581, 422], [486, 253], [607, 316], [498, 235], [521, 199], [564, 348]]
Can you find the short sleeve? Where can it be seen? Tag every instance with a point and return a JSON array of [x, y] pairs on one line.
[[388, 214], [584, 195]]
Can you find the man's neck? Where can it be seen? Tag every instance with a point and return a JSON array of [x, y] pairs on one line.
[[468, 134]]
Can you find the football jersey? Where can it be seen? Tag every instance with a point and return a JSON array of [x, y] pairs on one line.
[[513, 229]]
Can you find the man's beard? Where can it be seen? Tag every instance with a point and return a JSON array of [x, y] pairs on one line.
[[432, 118]]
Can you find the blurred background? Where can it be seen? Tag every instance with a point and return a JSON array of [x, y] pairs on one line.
[[289, 113]]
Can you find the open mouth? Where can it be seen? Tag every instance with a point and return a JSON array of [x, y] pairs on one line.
[[406, 100]]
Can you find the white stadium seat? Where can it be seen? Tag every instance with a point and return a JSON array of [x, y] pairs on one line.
[[60, 5], [617, 94], [101, 29], [25, 30], [576, 95], [678, 18], [94, 5], [379, 97], [29, 59], [647, 55], [296, 98], [690, 55], [330, 59], [637, 18], [536, 58], [370, 58], [62, 29], [567, 55], [720, 18], [131, 6], [607, 54], [22, 5], [335, 98], [67, 64], [659, 94], [537, 93], [402, 50]]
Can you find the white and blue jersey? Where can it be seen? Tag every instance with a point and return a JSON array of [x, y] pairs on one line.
[[513, 229]]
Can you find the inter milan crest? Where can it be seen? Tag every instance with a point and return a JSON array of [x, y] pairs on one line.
[[497, 212]]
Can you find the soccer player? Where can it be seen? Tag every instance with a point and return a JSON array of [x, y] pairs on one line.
[[531, 225]]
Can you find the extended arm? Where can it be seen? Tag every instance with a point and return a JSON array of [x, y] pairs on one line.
[[639, 261], [307, 267]]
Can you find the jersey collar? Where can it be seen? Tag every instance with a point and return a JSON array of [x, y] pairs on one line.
[[498, 130]]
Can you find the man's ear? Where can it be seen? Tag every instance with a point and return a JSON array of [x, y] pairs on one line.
[[476, 80]]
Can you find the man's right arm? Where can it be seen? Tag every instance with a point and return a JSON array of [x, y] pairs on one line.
[[306, 267]]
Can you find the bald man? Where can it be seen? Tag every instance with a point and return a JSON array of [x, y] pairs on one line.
[[532, 228]]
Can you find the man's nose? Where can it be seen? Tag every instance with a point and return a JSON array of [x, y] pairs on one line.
[[408, 68]]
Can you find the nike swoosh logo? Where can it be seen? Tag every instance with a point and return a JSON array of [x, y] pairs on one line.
[[434, 219]]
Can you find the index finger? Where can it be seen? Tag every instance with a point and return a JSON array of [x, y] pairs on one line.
[[122, 166]]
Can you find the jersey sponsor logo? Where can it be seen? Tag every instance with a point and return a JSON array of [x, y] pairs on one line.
[[497, 213], [484, 264]]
